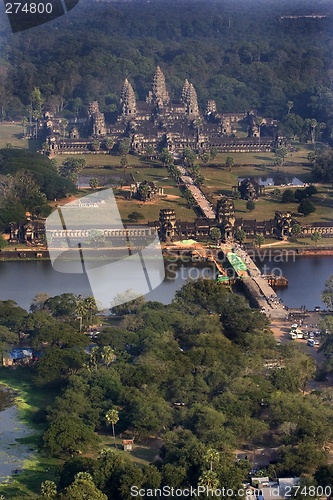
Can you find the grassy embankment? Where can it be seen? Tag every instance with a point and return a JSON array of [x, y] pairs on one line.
[[29, 401]]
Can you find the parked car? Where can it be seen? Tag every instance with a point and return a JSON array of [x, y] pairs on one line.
[[316, 342], [317, 309], [311, 342], [311, 335]]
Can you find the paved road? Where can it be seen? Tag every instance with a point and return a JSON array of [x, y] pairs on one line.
[[205, 206]]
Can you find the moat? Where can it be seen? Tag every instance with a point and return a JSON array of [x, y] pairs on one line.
[[22, 280]]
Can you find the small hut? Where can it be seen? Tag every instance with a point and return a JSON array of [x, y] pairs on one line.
[[128, 444]]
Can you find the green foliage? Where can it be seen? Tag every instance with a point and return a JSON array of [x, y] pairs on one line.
[[296, 230], [94, 183], [259, 240], [250, 205], [323, 165], [128, 302], [82, 488], [215, 233], [240, 235], [39, 168], [68, 433], [124, 146], [288, 196], [306, 207], [316, 236], [3, 242], [229, 162]]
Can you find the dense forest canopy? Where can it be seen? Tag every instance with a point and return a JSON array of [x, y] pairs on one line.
[[203, 373], [241, 54]]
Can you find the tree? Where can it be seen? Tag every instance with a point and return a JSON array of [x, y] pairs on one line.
[[68, 433], [212, 456], [250, 205], [94, 183], [3, 242], [72, 166], [313, 125], [215, 234], [124, 161], [213, 152], [127, 303], [112, 417], [259, 240], [240, 235], [24, 125], [166, 157], [315, 237], [209, 480], [124, 146], [82, 488], [149, 151], [296, 230], [229, 162], [205, 158], [95, 145], [327, 295], [288, 196], [306, 207], [188, 157], [109, 143], [290, 105], [48, 490]]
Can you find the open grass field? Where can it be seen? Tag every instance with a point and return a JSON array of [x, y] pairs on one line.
[[12, 133], [151, 210], [298, 156]]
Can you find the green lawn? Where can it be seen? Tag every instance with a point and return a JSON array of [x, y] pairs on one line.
[[151, 210], [12, 133]]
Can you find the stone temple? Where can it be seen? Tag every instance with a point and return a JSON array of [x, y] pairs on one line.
[[159, 122]]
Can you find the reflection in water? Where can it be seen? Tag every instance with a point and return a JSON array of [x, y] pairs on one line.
[[276, 180], [306, 277]]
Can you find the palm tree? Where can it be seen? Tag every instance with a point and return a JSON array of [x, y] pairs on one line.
[[24, 125], [107, 355], [48, 490], [112, 417], [81, 311], [209, 480], [212, 455], [90, 304], [290, 105], [313, 125]]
